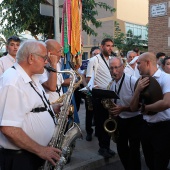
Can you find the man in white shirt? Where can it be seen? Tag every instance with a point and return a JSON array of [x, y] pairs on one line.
[[27, 120], [52, 81], [98, 70], [156, 128], [7, 61], [128, 123], [88, 99], [131, 67]]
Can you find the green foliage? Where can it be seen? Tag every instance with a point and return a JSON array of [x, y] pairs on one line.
[[126, 42], [24, 15], [2, 42]]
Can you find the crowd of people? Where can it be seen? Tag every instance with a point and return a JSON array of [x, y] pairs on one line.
[[29, 91]]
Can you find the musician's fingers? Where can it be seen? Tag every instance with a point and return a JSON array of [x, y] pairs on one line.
[[115, 111], [52, 161], [57, 150]]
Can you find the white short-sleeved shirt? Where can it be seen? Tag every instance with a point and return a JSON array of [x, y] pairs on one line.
[[6, 62], [17, 100], [101, 72], [134, 72], [125, 94], [164, 81], [53, 96]]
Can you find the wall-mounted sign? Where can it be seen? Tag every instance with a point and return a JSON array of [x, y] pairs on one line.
[[157, 10]]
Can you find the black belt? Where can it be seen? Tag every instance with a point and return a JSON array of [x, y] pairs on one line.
[[156, 124], [39, 109], [12, 151]]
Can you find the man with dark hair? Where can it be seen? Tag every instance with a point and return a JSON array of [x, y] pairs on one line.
[[136, 50], [98, 71], [160, 56], [88, 100], [12, 46], [92, 51]]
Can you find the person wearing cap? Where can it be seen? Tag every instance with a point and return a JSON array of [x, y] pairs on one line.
[[8, 60], [129, 123], [155, 131], [131, 66]]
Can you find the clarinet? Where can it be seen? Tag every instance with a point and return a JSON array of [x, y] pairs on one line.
[[49, 69]]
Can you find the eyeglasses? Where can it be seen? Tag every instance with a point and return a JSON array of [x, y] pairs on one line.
[[116, 67], [44, 57]]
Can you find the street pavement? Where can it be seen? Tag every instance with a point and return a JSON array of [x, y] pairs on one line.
[[85, 155]]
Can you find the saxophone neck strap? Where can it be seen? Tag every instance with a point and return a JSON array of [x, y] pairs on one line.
[[52, 114], [42, 109], [120, 86]]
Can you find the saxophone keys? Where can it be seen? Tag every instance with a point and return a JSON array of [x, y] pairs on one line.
[[71, 110]]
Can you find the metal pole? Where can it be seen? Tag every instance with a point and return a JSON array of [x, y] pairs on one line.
[[56, 20]]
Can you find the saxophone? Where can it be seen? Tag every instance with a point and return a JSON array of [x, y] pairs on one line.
[[110, 124], [60, 139]]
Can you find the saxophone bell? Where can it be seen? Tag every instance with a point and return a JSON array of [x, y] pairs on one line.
[[110, 124]]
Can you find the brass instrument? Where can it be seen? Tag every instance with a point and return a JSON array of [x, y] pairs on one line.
[[76, 84], [61, 138], [88, 94], [110, 124]]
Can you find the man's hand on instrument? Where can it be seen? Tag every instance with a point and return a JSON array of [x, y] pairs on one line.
[[143, 82], [56, 107], [116, 110], [50, 153]]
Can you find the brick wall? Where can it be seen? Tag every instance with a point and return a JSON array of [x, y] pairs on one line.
[[159, 31]]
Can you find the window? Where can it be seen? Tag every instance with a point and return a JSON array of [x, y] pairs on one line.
[[85, 56], [137, 30]]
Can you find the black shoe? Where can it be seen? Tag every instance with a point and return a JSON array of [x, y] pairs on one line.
[[105, 153], [89, 137], [111, 152]]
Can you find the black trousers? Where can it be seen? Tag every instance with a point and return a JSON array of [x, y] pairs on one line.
[[100, 115], [19, 160], [89, 119], [156, 144], [128, 142]]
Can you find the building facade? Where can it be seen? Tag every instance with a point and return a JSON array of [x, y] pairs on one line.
[[131, 14], [159, 26]]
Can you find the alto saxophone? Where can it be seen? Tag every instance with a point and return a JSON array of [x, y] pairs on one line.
[[60, 139], [110, 125]]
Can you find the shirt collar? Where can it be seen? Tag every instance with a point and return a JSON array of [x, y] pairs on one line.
[[118, 83], [157, 73], [24, 75], [11, 58]]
